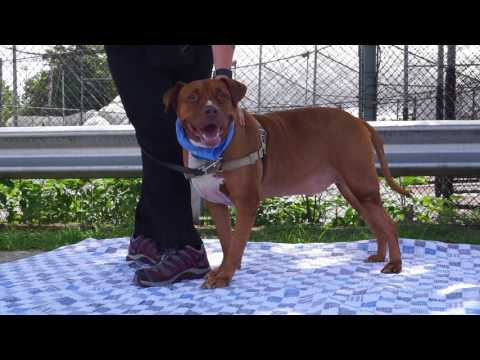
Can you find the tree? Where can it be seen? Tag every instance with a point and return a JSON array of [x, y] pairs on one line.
[[6, 103], [73, 71]]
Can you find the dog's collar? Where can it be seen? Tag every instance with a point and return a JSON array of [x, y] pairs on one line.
[[220, 165], [204, 153]]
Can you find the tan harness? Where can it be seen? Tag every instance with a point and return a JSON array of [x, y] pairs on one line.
[[208, 167]]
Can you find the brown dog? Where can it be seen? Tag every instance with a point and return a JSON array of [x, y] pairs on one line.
[[307, 150]]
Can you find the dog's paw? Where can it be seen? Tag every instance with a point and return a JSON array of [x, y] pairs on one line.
[[393, 267], [214, 272], [375, 258], [219, 280]]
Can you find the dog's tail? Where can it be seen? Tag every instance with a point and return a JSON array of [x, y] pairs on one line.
[[378, 145]]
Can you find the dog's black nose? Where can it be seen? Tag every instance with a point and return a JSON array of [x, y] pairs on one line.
[[211, 110]]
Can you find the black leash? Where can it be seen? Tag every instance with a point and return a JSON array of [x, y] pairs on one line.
[[187, 172]]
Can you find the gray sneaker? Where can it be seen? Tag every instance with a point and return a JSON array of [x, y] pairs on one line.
[[177, 265]]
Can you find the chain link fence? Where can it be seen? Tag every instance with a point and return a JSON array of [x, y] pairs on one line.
[[62, 85], [432, 82], [44, 85], [69, 84]]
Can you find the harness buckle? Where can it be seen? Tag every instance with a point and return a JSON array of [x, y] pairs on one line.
[[215, 164]]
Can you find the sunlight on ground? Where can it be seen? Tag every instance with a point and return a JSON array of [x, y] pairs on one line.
[[455, 287]]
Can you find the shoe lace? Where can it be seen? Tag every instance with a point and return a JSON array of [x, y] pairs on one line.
[[166, 255]]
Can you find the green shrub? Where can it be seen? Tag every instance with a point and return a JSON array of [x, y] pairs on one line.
[[98, 201], [113, 202]]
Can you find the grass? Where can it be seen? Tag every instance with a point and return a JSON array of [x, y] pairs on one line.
[[314, 233], [42, 238]]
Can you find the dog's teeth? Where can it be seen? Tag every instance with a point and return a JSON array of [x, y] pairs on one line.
[[206, 138]]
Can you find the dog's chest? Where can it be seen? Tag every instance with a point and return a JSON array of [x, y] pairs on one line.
[[208, 186]]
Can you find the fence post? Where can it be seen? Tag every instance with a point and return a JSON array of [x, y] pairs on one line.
[[1, 90], [474, 110], [259, 79], [440, 88], [306, 78], [414, 116], [450, 83], [405, 82], [315, 56], [81, 87], [14, 90], [368, 82], [63, 95], [444, 184]]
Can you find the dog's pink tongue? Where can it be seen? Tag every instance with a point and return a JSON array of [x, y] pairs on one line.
[[210, 131], [211, 138], [210, 134]]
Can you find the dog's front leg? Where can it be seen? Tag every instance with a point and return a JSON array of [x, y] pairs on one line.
[[222, 220], [246, 212]]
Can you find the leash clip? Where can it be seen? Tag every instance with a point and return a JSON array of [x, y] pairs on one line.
[[216, 165]]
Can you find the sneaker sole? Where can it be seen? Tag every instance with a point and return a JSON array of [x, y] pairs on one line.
[[142, 258], [189, 274]]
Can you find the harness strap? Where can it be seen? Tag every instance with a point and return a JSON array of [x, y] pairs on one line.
[[251, 158], [218, 166]]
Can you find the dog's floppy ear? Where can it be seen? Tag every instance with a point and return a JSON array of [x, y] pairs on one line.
[[237, 89], [171, 96]]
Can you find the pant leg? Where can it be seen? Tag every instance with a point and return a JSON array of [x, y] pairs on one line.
[[164, 210]]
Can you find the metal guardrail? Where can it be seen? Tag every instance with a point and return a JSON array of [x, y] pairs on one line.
[[69, 152], [435, 148], [412, 148], [431, 148]]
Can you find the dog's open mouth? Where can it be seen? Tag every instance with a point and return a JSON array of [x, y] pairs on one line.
[[209, 135]]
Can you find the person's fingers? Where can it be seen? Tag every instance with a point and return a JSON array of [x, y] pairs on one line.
[[241, 116]]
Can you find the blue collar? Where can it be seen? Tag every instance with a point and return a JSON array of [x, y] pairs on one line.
[[201, 152]]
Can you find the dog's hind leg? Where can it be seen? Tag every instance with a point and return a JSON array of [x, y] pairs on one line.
[[369, 206]]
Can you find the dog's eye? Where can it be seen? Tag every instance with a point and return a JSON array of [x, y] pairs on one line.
[[192, 97]]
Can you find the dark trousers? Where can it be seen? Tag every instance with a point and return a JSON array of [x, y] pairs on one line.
[[142, 75]]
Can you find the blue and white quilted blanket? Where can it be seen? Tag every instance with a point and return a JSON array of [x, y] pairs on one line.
[[92, 277]]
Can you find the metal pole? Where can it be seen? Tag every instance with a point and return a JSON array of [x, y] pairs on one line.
[[474, 110], [361, 90], [50, 89], [81, 88], [414, 116], [14, 90], [63, 95], [405, 82], [306, 81], [259, 79], [444, 184], [315, 56], [1, 90], [450, 83], [440, 86], [368, 82]]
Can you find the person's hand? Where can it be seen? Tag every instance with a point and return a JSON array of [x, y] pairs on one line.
[[240, 116], [240, 113]]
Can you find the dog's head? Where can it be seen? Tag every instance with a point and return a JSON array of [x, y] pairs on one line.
[[205, 108]]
